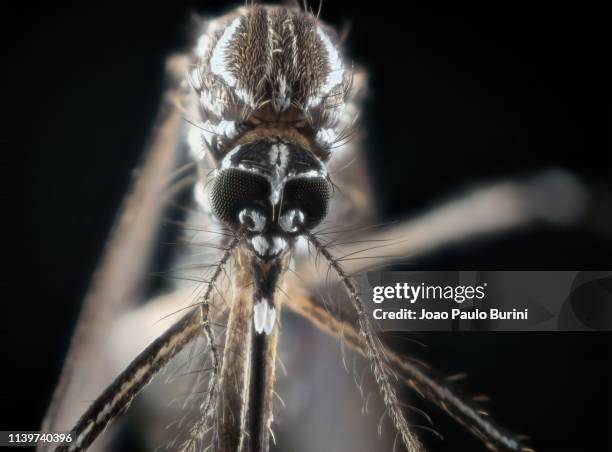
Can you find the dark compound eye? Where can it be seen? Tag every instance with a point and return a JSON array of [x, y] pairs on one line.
[[311, 196], [233, 190]]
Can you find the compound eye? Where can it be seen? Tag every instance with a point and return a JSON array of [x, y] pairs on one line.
[[311, 196], [252, 219], [233, 190], [292, 221]]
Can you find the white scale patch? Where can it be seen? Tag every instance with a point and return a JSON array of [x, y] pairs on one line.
[[263, 247], [336, 70], [218, 62], [326, 137], [264, 317], [282, 100], [224, 129], [259, 221], [260, 245], [227, 160], [279, 157], [227, 129], [209, 102], [279, 245], [288, 221], [219, 55]]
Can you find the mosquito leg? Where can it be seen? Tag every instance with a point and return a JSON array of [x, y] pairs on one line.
[[198, 430], [423, 381], [554, 197], [118, 396], [373, 351]]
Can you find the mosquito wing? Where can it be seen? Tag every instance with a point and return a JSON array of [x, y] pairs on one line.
[[119, 278]]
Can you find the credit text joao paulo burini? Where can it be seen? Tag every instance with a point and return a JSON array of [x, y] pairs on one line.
[[432, 295]]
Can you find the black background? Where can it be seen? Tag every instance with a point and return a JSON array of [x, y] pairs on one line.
[[461, 93]]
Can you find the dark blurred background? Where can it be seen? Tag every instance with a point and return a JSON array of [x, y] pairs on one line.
[[460, 93]]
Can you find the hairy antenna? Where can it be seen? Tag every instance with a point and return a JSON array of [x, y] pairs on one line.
[[118, 396], [207, 407], [373, 352], [423, 380]]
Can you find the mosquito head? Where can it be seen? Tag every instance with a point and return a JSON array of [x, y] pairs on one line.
[[273, 190]]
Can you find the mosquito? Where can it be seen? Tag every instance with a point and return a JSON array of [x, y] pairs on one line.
[[265, 107]]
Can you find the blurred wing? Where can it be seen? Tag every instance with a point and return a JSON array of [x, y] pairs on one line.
[[118, 281]]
